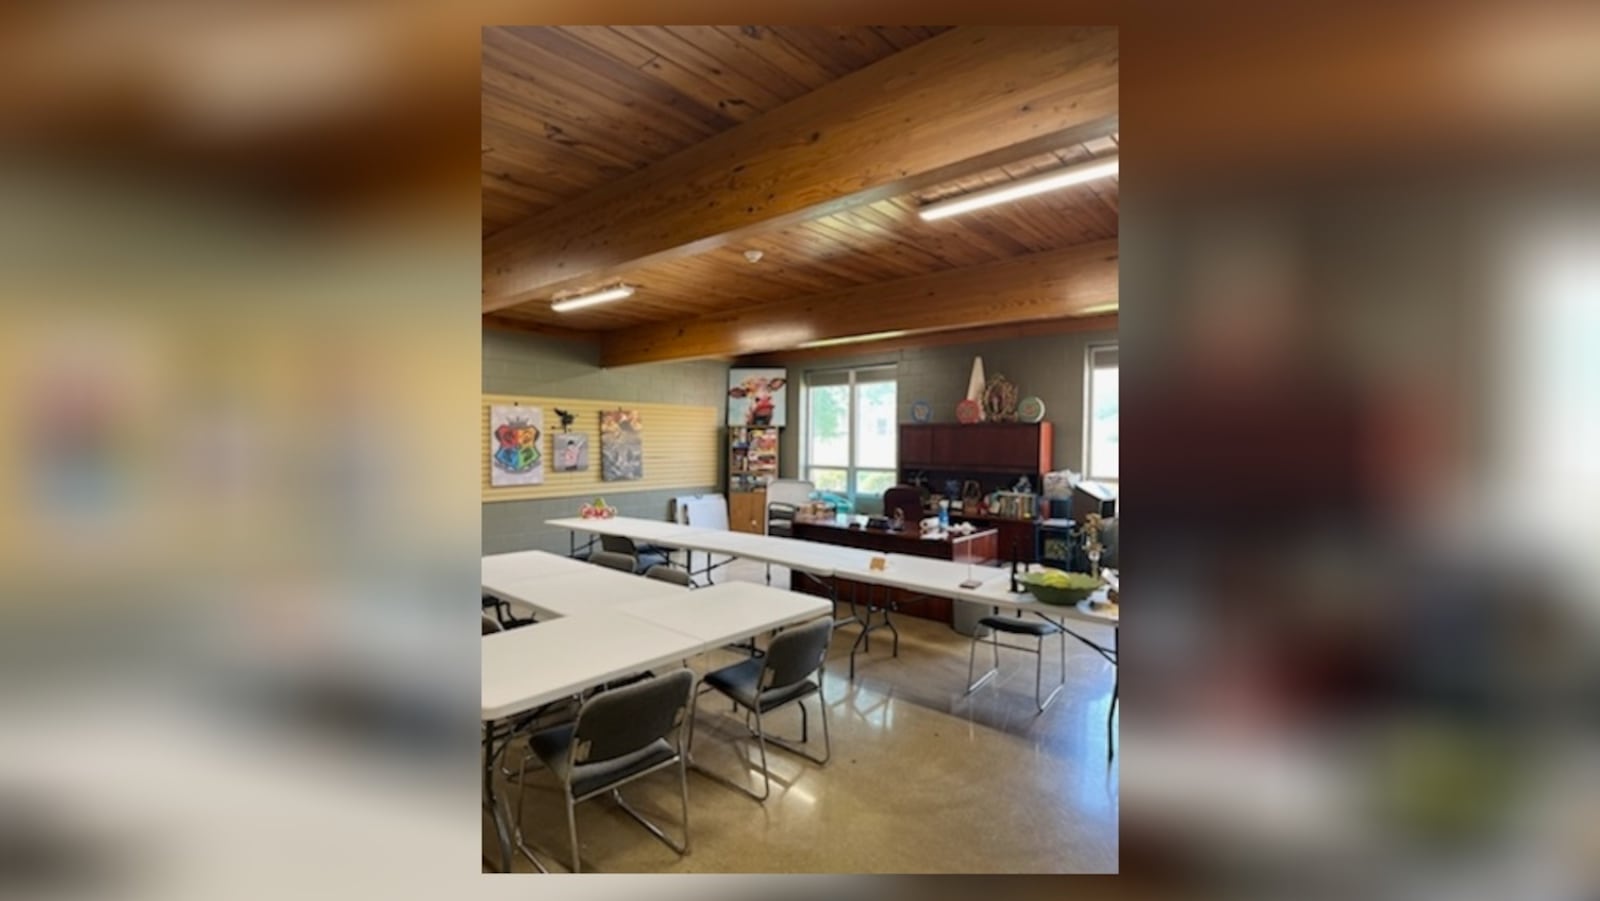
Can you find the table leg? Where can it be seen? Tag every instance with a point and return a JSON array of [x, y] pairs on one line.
[[509, 842], [1116, 684]]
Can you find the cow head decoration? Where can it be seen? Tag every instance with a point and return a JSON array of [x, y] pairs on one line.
[[761, 392]]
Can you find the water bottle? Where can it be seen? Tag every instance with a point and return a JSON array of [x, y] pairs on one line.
[[944, 514]]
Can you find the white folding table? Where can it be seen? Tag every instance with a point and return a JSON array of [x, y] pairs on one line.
[[588, 589], [526, 564], [620, 624], [804, 556], [811, 559], [727, 612]]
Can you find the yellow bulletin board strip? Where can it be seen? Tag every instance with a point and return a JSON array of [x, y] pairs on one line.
[[682, 448]]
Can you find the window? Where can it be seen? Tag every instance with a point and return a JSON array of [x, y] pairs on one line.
[[1101, 427], [851, 431]]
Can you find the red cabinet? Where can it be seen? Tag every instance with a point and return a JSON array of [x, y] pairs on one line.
[[1008, 447], [916, 446], [992, 452]]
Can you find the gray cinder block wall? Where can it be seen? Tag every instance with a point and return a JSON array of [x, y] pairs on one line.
[[1048, 366], [520, 363]]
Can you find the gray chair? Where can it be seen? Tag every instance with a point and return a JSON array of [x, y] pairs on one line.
[[622, 562], [620, 736], [645, 556], [1012, 625], [779, 678], [665, 573]]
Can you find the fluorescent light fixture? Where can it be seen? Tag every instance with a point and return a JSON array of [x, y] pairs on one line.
[[853, 339], [1016, 190], [588, 300]]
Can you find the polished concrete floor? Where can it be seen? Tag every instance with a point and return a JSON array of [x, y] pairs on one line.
[[923, 778]]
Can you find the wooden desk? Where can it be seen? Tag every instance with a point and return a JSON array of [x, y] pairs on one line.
[[980, 547]]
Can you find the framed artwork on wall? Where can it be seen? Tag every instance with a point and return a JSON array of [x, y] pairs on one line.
[[514, 435], [621, 446], [570, 452], [758, 397]]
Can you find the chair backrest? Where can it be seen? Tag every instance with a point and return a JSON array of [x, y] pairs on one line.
[[667, 573], [793, 492], [795, 654], [624, 720], [618, 544], [624, 562], [491, 625], [904, 497]]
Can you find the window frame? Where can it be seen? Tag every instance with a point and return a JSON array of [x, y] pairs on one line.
[[877, 373], [1112, 348]]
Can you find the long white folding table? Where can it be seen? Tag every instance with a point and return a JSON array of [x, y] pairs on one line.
[[808, 557], [710, 615], [624, 627], [588, 589], [527, 564]]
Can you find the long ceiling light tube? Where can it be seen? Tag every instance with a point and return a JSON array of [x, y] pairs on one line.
[[616, 292], [1016, 190]]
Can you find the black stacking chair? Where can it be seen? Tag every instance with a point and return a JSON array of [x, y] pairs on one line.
[[620, 736], [503, 614], [1014, 625], [777, 679]]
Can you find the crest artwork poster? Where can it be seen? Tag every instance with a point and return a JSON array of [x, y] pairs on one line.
[[514, 441]]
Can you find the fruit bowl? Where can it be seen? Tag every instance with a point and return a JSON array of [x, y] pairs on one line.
[[1060, 589]]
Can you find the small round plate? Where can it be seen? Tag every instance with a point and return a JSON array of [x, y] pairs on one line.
[[968, 412], [921, 411], [1030, 409]]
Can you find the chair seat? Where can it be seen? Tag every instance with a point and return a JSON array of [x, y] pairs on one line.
[[740, 682], [554, 748], [1012, 625]]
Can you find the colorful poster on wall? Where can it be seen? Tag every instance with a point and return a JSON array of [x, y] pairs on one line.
[[621, 446], [571, 452], [514, 457], [757, 397]]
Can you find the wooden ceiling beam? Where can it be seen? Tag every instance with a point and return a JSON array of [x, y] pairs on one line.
[[970, 98], [1070, 282], [506, 324], [1096, 322]]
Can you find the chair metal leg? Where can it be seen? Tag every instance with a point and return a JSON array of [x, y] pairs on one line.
[[655, 830], [572, 828], [972, 658], [799, 751], [683, 790], [761, 742], [1038, 676], [717, 777]]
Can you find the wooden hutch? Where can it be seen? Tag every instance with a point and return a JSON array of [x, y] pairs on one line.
[[993, 454]]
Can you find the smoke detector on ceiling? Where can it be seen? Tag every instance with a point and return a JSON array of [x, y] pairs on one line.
[[753, 256]]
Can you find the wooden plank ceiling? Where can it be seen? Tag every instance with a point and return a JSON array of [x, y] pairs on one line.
[[578, 120]]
